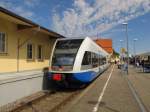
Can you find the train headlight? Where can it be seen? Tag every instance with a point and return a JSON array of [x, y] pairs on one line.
[[57, 77]]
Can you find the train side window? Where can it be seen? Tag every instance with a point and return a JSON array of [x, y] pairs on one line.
[[101, 60], [86, 63], [94, 60], [104, 60]]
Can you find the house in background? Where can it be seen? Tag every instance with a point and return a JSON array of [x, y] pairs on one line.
[[24, 45], [106, 44]]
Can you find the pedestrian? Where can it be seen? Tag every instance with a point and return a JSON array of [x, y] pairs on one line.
[[137, 64], [115, 62], [142, 64]]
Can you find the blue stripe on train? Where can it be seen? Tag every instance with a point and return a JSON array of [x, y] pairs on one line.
[[85, 77]]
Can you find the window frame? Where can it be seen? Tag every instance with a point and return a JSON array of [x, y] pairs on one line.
[[96, 60], [33, 54], [5, 47], [87, 59], [42, 53]]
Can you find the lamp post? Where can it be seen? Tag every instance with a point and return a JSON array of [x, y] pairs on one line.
[[134, 48], [127, 42]]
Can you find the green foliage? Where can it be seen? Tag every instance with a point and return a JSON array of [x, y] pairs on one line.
[[115, 54]]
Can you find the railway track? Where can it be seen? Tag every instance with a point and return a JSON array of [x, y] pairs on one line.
[[50, 102]]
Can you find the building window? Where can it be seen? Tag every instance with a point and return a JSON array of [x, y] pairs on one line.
[[30, 49], [2, 42], [40, 52]]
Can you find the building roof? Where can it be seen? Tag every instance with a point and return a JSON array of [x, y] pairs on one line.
[[105, 44], [26, 22]]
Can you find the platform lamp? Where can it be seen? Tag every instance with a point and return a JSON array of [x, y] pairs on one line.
[[127, 43], [134, 48]]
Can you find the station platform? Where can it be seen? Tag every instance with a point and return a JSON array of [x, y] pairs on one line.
[[115, 91], [9, 77], [14, 86]]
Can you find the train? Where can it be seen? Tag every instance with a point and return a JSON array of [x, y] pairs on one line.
[[75, 62]]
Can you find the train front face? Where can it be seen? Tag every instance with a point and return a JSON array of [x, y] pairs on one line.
[[63, 61]]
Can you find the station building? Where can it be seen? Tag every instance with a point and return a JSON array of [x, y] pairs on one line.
[[25, 49], [24, 45], [106, 44]]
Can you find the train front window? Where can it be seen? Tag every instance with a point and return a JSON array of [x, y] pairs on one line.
[[69, 44], [64, 54], [63, 59]]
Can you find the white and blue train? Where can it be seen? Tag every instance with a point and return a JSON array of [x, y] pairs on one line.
[[77, 61]]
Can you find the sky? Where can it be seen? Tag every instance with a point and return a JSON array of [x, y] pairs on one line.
[[92, 18]]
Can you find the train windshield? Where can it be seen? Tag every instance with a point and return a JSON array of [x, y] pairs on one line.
[[64, 54]]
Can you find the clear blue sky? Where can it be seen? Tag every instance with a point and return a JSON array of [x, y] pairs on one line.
[[76, 18]]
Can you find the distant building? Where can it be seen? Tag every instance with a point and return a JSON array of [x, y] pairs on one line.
[[24, 45], [105, 44]]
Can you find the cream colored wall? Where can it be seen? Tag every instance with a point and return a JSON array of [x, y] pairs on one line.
[[8, 62]]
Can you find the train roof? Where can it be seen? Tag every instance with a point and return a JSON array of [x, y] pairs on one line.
[[89, 39], [86, 39]]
